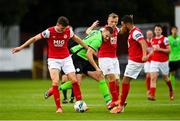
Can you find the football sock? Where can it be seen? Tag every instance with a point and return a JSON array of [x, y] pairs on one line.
[[72, 94], [76, 91], [104, 90], [56, 96], [50, 92], [66, 85], [169, 85], [125, 91], [172, 78], [117, 87], [148, 80], [152, 91], [113, 90], [64, 93]]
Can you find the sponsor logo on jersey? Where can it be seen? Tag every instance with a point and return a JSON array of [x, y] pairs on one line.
[[58, 43]]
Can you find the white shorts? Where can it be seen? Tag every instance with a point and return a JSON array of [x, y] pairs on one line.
[[109, 65], [147, 67], [162, 66], [133, 69], [65, 64]]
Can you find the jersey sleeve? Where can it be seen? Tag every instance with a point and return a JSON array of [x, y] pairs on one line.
[[96, 42], [166, 41], [137, 35], [45, 34], [71, 33]]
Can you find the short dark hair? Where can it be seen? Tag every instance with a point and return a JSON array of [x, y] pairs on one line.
[[158, 25], [63, 21], [127, 19], [174, 27], [110, 29]]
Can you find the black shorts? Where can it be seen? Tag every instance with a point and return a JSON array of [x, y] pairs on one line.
[[81, 65], [174, 65]]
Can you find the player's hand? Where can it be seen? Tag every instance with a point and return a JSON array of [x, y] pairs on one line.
[[15, 50], [144, 58], [95, 24]]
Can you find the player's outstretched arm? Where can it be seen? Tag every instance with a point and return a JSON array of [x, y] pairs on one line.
[[79, 41], [94, 25], [28, 42]]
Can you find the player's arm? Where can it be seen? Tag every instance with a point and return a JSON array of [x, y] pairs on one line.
[[79, 41], [89, 55], [28, 42], [144, 49], [94, 25], [166, 50]]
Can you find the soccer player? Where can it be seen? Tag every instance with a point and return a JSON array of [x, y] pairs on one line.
[[149, 36], [159, 61], [107, 58], [58, 56], [84, 62], [174, 56], [137, 51]]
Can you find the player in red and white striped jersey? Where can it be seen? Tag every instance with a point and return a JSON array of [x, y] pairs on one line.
[[58, 56]]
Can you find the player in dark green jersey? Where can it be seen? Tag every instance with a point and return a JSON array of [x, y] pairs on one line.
[[174, 56]]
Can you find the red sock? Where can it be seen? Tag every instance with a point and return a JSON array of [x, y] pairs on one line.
[[125, 91], [50, 91], [56, 96], [112, 88], [152, 91], [148, 80], [169, 85], [117, 87], [77, 91]]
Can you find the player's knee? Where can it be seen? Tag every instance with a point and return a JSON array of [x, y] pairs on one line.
[[55, 83]]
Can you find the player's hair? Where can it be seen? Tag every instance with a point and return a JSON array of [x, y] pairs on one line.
[[174, 27], [113, 15], [63, 21], [158, 25], [127, 19], [110, 29]]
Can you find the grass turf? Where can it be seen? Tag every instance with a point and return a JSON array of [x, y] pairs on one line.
[[22, 99]]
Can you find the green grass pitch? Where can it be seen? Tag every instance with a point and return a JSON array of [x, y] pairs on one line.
[[22, 99]]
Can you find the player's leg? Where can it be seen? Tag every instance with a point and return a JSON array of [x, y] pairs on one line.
[[69, 69], [79, 78], [107, 65], [154, 77], [64, 80], [173, 66], [131, 72], [154, 70], [99, 77], [54, 74], [75, 85], [112, 86], [148, 80], [165, 71]]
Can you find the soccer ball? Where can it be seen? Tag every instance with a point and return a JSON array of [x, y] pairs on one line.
[[80, 106]]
